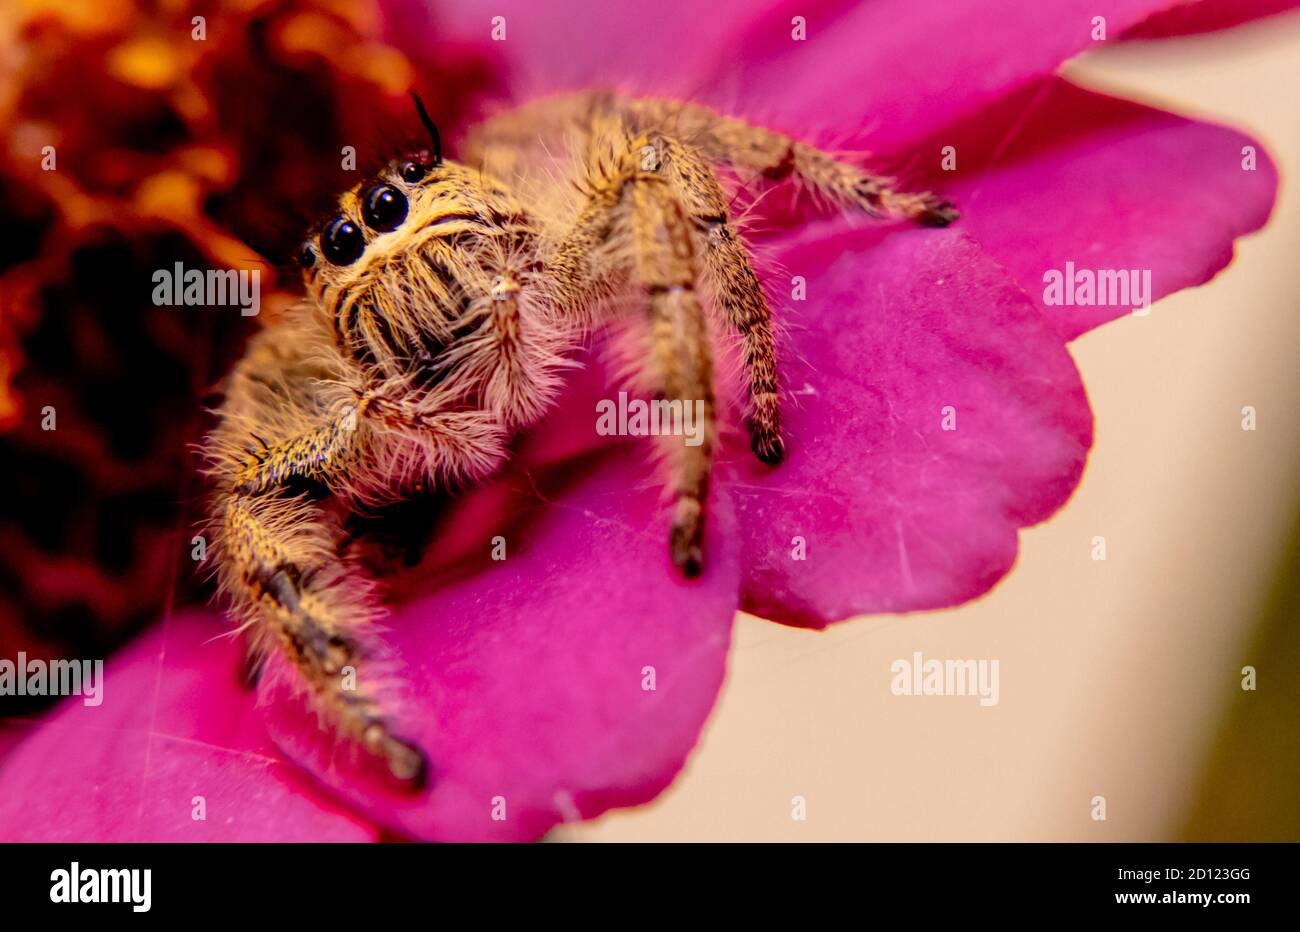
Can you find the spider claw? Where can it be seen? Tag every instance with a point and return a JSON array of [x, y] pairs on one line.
[[769, 448], [938, 214], [684, 545], [406, 762]]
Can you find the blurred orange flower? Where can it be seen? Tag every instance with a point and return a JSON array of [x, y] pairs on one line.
[[134, 135]]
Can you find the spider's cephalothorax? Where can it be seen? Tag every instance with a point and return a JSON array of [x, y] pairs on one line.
[[441, 301]]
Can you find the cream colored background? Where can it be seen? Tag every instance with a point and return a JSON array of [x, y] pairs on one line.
[[1115, 674]]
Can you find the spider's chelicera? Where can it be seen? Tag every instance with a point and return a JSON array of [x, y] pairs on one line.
[[443, 299]]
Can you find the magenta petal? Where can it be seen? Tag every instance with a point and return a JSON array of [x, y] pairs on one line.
[[883, 74], [1206, 16], [894, 512], [524, 678], [666, 47], [174, 724], [1060, 174]]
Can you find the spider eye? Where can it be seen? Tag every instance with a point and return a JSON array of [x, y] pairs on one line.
[[306, 255], [413, 171], [342, 242], [384, 208]]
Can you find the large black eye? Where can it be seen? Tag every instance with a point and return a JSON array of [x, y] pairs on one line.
[[342, 242], [384, 208], [413, 171]]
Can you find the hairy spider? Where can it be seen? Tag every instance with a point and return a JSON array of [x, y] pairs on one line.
[[441, 302]]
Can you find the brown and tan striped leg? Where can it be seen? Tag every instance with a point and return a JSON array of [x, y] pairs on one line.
[[281, 568], [285, 579], [318, 453], [735, 288], [776, 156], [283, 572], [681, 357]]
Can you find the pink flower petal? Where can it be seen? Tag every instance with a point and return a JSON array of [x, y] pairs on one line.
[[174, 724], [886, 73], [1206, 16], [523, 679], [1059, 174], [895, 512], [570, 44], [12, 733]]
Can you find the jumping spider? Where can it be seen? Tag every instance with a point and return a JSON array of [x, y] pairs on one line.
[[441, 302]]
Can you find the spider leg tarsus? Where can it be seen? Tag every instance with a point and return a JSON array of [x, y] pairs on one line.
[[769, 448], [406, 762], [938, 214], [684, 545]]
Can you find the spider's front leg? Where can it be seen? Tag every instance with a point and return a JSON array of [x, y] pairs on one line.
[[735, 286], [285, 580], [278, 551], [680, 361]]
